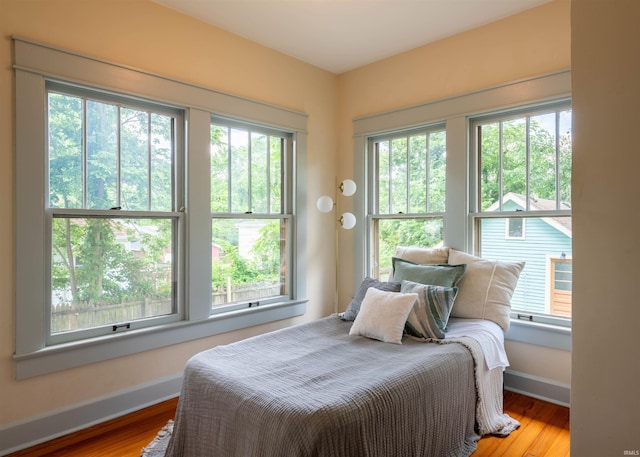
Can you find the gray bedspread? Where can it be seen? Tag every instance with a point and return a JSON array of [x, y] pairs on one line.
[[313, 390]]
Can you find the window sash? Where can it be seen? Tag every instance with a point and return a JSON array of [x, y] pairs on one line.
[[278, 181], [392, 156], [524, 115], [122, 322], [286, 273], [120, 103], [526, 210], [87, 210]]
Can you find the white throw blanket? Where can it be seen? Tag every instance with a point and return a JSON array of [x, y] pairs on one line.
[[485, 341]]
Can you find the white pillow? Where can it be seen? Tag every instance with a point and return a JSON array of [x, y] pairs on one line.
[[486, 288], [382, 315], [423, 256]]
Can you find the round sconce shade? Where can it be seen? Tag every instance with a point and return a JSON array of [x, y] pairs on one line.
[[324, 204], [348, 187], [348, 221]]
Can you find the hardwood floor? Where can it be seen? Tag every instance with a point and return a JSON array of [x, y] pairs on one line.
[[121, 437], [544, 432]]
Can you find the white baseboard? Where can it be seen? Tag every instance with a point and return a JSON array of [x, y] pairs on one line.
[[38, 429], [537, 387]]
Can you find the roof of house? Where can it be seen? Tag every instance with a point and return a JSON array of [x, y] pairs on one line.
[[561, 223]]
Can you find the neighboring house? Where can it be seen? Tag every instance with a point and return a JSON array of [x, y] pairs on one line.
[[544, 244]]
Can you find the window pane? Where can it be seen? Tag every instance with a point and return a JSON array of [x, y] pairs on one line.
[[219, 169], [399, 203], [437, 171], [418, 174], [259, 173], [240, 171], [383, 178], [108, 271], [134, 159], [489, 179], [390, 233], [514, 157], [515, 228], [161, 163], [542, 174], [276, 156], [548, 240], [102, 155], [65, 125], [249, 258]]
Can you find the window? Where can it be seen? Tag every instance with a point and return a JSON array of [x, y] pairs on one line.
[[112, 212], [118, 213], [408, 174], [251, 214], [524, 177], [514, 228]]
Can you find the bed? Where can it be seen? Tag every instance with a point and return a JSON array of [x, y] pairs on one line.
[[322, 389]]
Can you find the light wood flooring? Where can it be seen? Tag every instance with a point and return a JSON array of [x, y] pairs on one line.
[[544, 432]]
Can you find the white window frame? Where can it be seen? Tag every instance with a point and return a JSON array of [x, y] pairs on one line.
[[456, 113], [177, 216], [476, 215], [285, 214], [35, 64], [375, 216]]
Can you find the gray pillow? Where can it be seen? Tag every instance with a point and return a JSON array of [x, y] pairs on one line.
[[444, 275], [354, 306]]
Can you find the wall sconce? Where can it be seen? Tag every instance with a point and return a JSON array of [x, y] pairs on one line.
[[347, 221], [325, 204]]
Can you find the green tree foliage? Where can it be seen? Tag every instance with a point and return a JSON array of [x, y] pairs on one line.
[[90, 265], [412, 181], [542, 158], [254, 186]]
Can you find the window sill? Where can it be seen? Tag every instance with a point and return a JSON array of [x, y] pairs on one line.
[[70, 355], [553, 336]]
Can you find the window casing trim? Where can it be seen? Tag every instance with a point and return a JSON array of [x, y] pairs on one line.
[[35, 66], [79, 353]]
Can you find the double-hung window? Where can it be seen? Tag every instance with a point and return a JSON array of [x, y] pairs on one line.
[[407, 171], [112, 213], [251, 214], [521, 210], [134, 231]]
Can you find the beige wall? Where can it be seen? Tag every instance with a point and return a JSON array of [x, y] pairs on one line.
[[532, 43], [151, 37], [605, 415]]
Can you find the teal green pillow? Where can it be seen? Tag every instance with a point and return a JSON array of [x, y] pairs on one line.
[[430, 313], [444, 275]]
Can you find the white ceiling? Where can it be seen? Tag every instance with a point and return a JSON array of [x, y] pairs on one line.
[[339, 35]]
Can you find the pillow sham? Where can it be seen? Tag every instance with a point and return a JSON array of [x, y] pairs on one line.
[[430, 313], [444, 275], [354, 306], [423, 256], [382, 315], [486, 288]]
